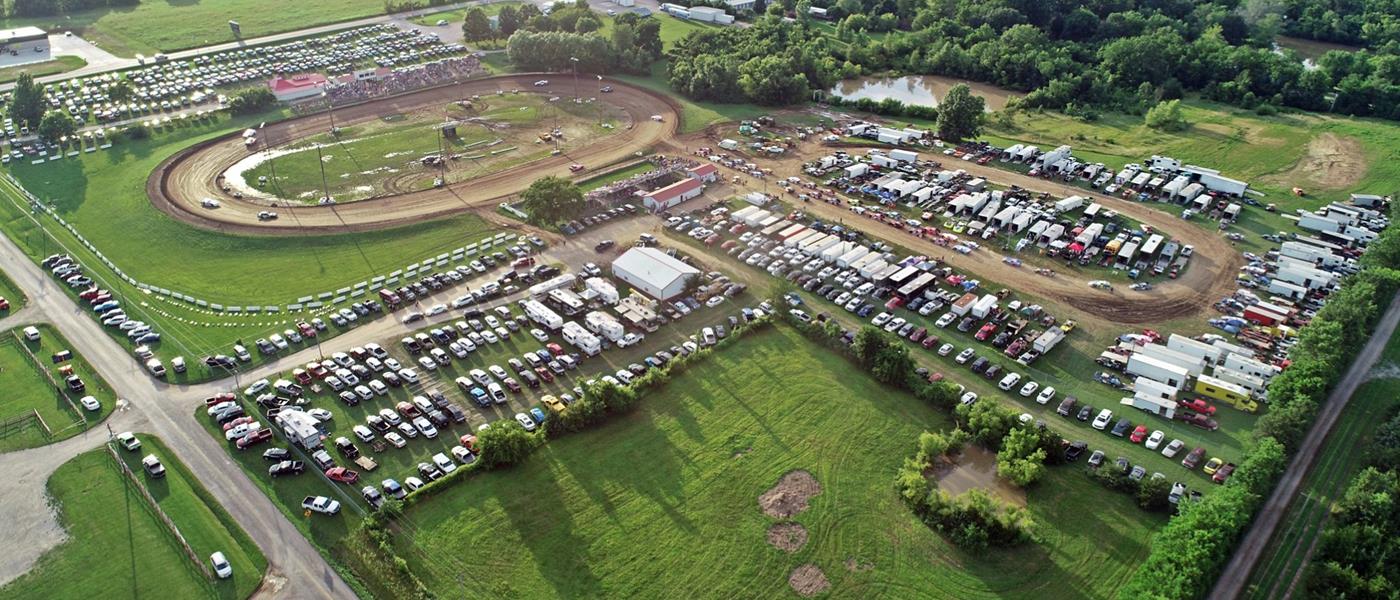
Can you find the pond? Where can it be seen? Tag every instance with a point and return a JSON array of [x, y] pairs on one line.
[[1309, 50], [976, 467], [917, 89]]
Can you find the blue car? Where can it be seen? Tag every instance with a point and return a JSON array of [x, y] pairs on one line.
[[479, 396], [537, 414]]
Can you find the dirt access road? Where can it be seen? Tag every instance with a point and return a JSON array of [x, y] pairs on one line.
[[179, 183], [1210, 275]]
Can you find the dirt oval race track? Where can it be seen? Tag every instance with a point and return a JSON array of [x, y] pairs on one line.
[[178, 184]]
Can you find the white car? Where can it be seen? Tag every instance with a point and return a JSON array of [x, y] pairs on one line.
[[444, 463], [1009, 381], [945, 320], [407, 430], [968, 398], [239, 431], [964, 356], [320, 414], [437, 309], [894, 324], [425, 427], [463, 455], [90, 403], [413, 484], [427, 363], [539, 335], [1101, 421], [881, 319], [945, 349], [1155, 440], [364, 433], [1029, 388], [1045, 396], [395, 439], [498, 372], [221, 566], [525, 421], [1173, 448], [408, 375]]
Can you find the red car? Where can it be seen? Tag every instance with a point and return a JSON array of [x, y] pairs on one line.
[[1201, 421], [317, 370], [302, 376], [1223, 473], [1199, 405], [1194, 458], [90, 293], [512, 384], [554, 349], [575, 168], [236, 422], [1138, 434], [253, 439], [342, 475], [930, 341], [306, 329], [407, 409], [985, 332], [469, 441], [544, 374], [218, 399]]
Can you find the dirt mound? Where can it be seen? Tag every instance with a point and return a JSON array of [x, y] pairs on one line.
[[808, 580], [788, 536], [1331, 162], [790, 495]]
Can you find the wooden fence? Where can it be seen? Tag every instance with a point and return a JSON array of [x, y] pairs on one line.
[[59, 388], [16, 424], [155, 507]]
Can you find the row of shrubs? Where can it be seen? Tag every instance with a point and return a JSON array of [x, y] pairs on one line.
[[1189, 553]]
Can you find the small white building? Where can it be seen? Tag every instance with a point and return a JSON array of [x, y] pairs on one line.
[[671, 195], [653, 272]]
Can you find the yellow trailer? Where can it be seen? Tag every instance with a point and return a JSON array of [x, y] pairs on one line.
[[1224, 391]]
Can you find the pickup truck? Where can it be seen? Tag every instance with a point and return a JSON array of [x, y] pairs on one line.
[[320, 504]]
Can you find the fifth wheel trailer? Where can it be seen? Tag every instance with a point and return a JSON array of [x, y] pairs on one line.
[[1193, 365], [1190, 347]]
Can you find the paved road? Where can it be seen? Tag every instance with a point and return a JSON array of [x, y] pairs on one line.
[[1247, 555], [164, 410]]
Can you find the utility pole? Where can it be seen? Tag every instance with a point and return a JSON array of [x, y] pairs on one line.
[[325, 186], [574, 60]]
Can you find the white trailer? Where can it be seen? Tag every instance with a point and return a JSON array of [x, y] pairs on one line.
[[796, 240], [605, 325], [582, 339], [542, 314], [1157, 406], [1205, 352], [1248, 366], [1152, 368], [1255, 385], [852, 256], [963, 304], [1226, 349], [873, 267], [904, 156], [567, 301], [1152, 388], [1287, 290], [836, 251], [1048, 340], [1193, 365], [984, 306], [603, 289]]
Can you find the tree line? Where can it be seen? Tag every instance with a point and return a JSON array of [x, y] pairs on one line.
[[552, 42]]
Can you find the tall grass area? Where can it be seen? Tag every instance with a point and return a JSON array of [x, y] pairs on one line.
[[103, 194], [160, 25], [118, 548], [667, 496]]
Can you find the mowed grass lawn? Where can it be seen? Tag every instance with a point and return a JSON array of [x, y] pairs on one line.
[[103, 195], [160, 25], [117, 548], [666, 498], [26, 389]]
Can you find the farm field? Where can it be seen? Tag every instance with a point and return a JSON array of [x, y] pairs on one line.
[[385, 157], [584, 517], [154, 25], [117, 547], [27, 390], [1338, 462]]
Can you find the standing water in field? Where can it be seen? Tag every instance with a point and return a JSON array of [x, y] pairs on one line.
[[916, 89]]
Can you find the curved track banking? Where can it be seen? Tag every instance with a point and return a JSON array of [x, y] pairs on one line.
[[181, 181]]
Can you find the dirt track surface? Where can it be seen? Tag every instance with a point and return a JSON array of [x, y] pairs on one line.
[[179, 183], [1209, 277]]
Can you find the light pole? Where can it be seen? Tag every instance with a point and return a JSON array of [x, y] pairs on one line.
[[574, 60]]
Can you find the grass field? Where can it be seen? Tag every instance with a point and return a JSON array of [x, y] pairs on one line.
[[456, 17], [158, 25], [668, 494], [61, 64], [27, 390], [118, 548], [1332, 470]]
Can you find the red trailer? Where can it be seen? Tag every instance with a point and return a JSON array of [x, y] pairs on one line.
[[1260, 316]]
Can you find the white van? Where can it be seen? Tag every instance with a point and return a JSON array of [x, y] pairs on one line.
[[1009, 381], [31, 333]]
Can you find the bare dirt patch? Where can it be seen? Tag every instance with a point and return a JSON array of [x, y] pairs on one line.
[[787, 536], [808, 580], [790, 495], [1331, 162]]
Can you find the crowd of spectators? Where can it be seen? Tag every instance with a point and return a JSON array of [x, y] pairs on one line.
[[347, 90]]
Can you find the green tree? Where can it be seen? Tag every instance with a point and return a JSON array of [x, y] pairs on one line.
[[56, 125], [1152, 493], [551, 200], [770, 80], [27, 101], [1167, 116], [960, 114], [477, 27], [508, 20], [121, 91], [251, 100], [1021, 459], [504, 444]]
